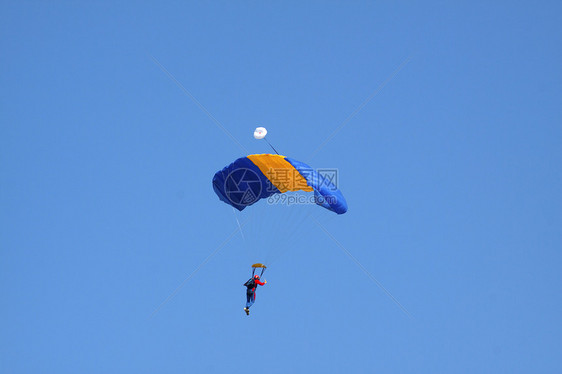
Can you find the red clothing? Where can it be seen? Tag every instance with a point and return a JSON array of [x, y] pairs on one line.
[[257, 282]]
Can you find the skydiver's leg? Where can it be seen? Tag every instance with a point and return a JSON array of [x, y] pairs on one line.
[[250, 297]]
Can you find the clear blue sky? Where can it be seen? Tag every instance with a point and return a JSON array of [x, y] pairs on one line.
[[451, 172]]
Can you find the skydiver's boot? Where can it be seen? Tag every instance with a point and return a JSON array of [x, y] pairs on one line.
[[247, 310]]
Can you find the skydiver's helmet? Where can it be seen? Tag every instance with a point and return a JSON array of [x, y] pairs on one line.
[[256, 276]]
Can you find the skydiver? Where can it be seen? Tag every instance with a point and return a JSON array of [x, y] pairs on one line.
[[251, 286]]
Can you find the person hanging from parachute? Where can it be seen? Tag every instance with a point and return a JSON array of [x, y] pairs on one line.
[[251, 286], [250, 179]]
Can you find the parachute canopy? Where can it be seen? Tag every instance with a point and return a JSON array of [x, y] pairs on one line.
[[252, 178], [258, 266]]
